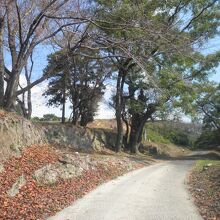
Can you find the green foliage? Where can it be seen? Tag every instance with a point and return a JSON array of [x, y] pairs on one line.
[[164, 67], [50, 117], [201, 163], [36, 119], [47, 117], [155, 136], [209, 139], [208, 106], [165, 132], [77, 79]]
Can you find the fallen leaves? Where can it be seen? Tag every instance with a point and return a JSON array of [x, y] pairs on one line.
[[205, 188], [36, 201]]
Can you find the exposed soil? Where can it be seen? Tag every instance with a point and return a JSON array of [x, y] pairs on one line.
[[165, 150], [38, 201], [103, 124], [205, 187]]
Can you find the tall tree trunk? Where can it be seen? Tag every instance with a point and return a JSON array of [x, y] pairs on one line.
[[126, 136], [64, 98], [63, 110], [2, 72], [74, 118], [29, 104], [75, 106], [28, 79], [118, 108]]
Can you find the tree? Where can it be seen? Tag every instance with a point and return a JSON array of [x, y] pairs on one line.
[[25, 102], [26, 25], [35, 119], [178, 79], [50, 117], [169, 35], [208, 106], [78, 79], [2, 71], [57, 87]]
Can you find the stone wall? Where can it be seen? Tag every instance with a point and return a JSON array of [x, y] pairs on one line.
[[78, 138]]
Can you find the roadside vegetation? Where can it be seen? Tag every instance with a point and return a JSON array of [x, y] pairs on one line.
[[177, 133], [209, 104]]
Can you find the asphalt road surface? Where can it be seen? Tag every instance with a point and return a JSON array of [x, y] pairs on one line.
[[151, 193]]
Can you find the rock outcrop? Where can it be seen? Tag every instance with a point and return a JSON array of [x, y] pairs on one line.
[[68, 167], [14, 190], [2, 169], [16, 133], [79, 138]]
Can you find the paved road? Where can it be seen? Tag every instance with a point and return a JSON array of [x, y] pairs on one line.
[[152, 193]]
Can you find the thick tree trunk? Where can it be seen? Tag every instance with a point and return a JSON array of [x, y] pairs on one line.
[[134, 140], [137, 126], [11, 92], [83, 120], [2, 72], [12, 87], [134, 134], [22, 107], [74, 119], [141, 132]]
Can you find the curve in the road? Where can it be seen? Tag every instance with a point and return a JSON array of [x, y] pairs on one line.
[[151, 193]]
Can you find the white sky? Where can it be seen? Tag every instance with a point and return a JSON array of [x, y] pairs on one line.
[[40, 108]]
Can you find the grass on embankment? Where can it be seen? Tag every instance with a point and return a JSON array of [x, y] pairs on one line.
[[202, 163]]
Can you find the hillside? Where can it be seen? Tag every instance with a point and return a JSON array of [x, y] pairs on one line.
[[41, 171], [43, 180]]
